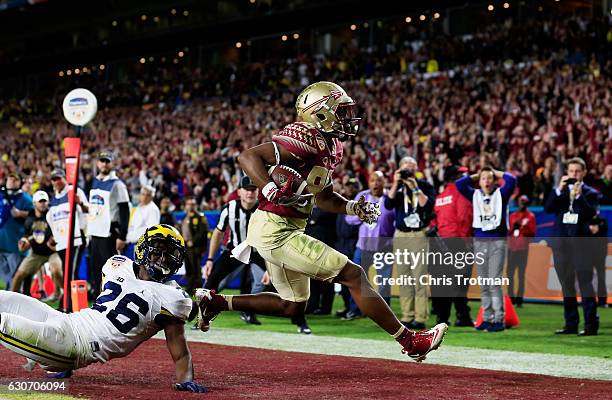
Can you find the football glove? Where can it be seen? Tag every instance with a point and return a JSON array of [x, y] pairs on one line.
[[190, 387], [283, 196], [367, 211]]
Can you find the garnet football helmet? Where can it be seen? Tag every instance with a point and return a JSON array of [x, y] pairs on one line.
[[328, 107]]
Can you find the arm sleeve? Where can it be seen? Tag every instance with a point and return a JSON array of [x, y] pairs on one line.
[[464, 186], [429, 191], [553, 203], [124, 219], [509, 185], [82, 197], [390, 203], [587, 204], [223, 219]]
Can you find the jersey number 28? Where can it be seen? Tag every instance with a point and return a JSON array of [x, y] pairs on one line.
[[122, 307]]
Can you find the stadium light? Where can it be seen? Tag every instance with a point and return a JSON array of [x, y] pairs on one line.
[[186, 13], [296, 36], [102, 66], [252, 1], [238, 45], [77, 71], [422, 17], [85, 70], [151, 59], [181, 54], [69, 72], [506, 5], [173, 11], [366, 25], [61, 73], [114, 23], [353, 27], [143, 17], [175, 61], [284, 38], [490, 7], [156, 19], [408, 20], [436, 15], [142, 60]]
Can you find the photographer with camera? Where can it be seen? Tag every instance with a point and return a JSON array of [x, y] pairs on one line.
[[412, 200], [574, 205]]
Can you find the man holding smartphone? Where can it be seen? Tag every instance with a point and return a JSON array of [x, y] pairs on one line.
[[574, 204]]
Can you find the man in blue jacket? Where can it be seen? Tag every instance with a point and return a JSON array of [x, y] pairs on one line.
[[574, 204]]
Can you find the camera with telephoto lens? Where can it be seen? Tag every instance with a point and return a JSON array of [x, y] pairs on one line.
[[406, 174]]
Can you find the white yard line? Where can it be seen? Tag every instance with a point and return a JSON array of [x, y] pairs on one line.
[[498, 360]]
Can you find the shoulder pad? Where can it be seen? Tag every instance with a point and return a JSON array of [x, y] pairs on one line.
[[299, 138]]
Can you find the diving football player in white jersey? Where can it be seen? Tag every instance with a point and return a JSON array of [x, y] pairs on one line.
[[138, 300]]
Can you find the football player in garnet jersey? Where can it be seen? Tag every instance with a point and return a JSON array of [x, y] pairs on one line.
[[313, 147], [138, 300]]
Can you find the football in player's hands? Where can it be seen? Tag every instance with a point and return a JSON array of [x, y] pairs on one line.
[[290, 187]]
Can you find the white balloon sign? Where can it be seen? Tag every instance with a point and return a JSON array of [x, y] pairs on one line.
[[80, 106]]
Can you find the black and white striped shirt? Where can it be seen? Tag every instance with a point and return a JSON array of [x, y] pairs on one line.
[[237, 218]]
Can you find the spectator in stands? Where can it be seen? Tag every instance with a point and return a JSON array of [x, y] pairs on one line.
[[453, 221], [412, 201], [522, 228], [166, 212], [574, 205], [490, 209], [144, 216], [194, 229], [39, 238], [15, 208], [109, 213]]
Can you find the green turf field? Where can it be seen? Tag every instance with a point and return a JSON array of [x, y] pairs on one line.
[[535, 334], [538, 322]]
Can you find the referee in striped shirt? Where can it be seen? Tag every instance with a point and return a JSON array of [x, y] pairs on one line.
[[235, 216]]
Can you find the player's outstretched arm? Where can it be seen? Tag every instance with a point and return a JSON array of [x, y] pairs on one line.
[[328, 200], [177, 345]]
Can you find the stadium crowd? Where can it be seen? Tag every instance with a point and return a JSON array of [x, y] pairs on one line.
[[521, 98]]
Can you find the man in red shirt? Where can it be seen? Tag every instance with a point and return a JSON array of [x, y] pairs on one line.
[[523, 227], [453, 219]]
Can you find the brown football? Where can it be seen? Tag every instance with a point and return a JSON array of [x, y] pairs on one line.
[[280, 175]]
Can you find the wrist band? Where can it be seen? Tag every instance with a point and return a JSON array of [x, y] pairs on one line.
[[209, 259], [268, 189], [350, 207]]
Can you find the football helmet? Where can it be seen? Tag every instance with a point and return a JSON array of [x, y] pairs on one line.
[[161, 250], [327, 106]]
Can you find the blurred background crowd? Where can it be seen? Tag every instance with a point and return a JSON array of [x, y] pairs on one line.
[[521, 92]]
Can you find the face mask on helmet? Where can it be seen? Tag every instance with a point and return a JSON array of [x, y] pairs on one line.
[[163, 259], [346, 124]]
